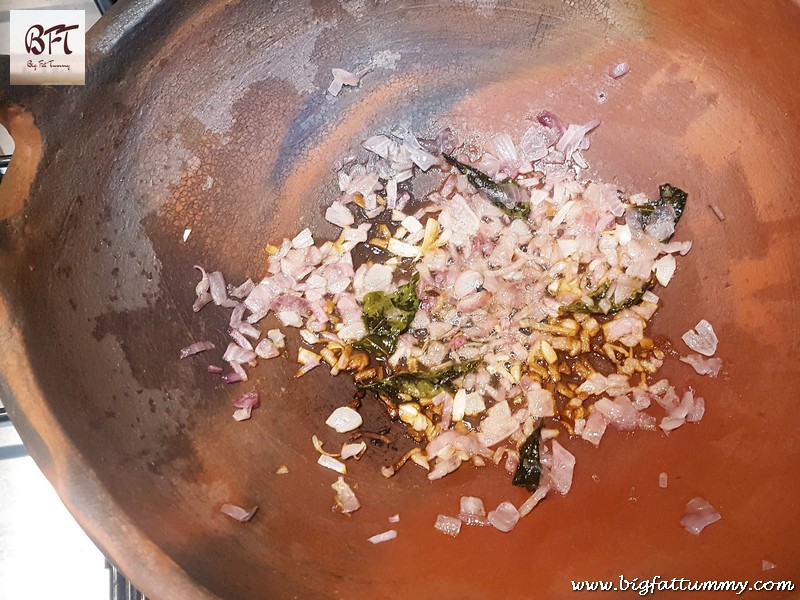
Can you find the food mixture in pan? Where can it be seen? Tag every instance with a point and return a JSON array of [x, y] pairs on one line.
[[501, 318]]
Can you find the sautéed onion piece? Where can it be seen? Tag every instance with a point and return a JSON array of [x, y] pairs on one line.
[[698, 515], [238, 513], [515, 295]]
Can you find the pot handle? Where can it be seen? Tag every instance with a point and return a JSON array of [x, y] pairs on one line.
[[21, 167]]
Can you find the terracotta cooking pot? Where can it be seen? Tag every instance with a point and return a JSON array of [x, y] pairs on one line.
[[213, 116]]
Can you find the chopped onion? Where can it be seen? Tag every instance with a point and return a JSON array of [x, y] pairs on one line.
[[248, 400], [346, 500], [595, 427], [244, 289], [504, 517], [459, 405], [249, 330], [266, 349], [381, 145], [196, 348], [237, 512], [309, 360], [277, 337], [383, 537], [671, 423], [239, 370], [402, 249], [533, 145], [309, 337], [201, 290], [473, 506], [703, 366], [339, 214], [696, 411], [217, 288], [233, 377], [340, 78], [467, 283], [563, 464], [353, 450], [394, 518], [242, 414], [551, 121], [702, 338], [448, 525], [619, 70], [331, 463], [767, 565], [412, 224], [664, 268], [573, 136], [344, 419], [498, 425], [663, 480], [318, 446], [472, 511], [240, 340], [236, 354], [535, 498], [303, 239], [698, 515]]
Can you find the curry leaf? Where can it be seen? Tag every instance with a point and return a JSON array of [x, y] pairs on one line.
[[423, 384], [529, 470], [503, 194], [387, 317], [600, 292], [669, 197]]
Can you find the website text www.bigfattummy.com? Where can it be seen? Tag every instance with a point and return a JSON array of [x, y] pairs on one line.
[[643, 587]]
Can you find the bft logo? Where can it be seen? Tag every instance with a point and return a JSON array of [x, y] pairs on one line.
[[48, 47], [35, 38]]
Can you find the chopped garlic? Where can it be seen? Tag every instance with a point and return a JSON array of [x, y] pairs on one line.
[[331, 463], [309, 337], [242, 414], [548, 353], [318, 446], [475, 404], [459, 405], [403, 249], [277, 338], [409, 413], [344, 419], [412, 224], [353, 450], [664, 268]]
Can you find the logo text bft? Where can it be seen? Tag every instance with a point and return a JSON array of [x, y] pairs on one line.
[[35, 40]]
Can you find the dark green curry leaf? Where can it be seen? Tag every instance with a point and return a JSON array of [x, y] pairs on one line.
[[388, 316], [423, 384], [600, 292], [669, 197], [503, 194], [580, 306], [529, 470]]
